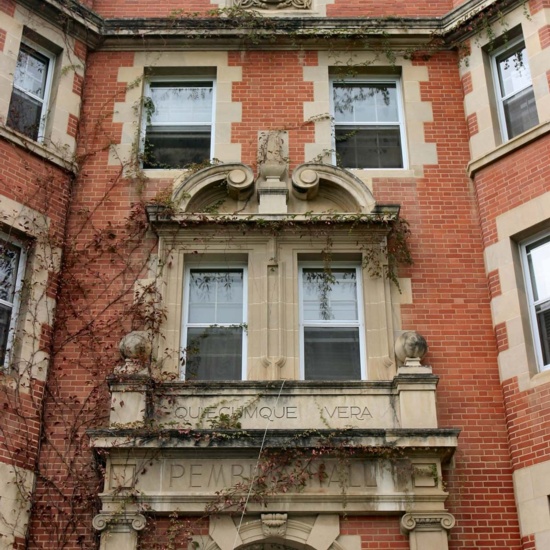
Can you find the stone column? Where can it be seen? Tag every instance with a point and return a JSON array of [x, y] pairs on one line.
[[428, 530], [119, 531]]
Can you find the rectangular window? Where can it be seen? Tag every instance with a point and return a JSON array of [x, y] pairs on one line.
[[368, 123], [31, 90], [12, 261], [514, 90], [214, 324], [536, 256], [178, 117], [332, 339]]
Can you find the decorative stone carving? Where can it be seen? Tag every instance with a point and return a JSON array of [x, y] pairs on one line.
[[305, 182], [274, 4], [427, 521], [240, 183], [136, 521], [135, 349], [273, 168], [410, 348], [274, 525]]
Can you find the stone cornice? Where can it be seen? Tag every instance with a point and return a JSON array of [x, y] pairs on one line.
[[280, 32]]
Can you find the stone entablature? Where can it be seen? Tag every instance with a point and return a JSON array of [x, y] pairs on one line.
[[382, 471], [407, 401]]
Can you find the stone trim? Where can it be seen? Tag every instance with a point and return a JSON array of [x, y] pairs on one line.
[[137, 522], [427, 521]]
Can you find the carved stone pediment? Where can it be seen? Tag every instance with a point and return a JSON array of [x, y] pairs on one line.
[[274, 4]]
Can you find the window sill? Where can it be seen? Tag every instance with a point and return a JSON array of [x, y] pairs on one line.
[[509, 147], [37, 148], [164, 173], [383, 172], [542, 377]]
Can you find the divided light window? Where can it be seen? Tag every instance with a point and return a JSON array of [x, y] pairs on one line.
[[178, 125], [214, 339], [536, 255], [514, 90], [332, 340], [31, 90], [12, 261], [368, 123]]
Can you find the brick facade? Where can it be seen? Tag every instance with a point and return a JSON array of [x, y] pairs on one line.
[[468, 215]]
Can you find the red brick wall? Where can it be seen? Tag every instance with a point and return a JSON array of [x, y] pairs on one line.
[[508, 183], [395, 8], [145, 8], [272, 103]]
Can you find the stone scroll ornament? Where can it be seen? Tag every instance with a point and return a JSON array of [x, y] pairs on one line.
[[273, 4]]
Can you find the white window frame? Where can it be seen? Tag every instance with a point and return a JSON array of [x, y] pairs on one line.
[[176, 80], [16, 304], [359, 324], [185, 311], [500, 99], [532, 303], [45, 101], [393, 80]]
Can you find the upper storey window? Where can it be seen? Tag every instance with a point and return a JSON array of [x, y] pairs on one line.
[[536, 255], [331, 321], [12, 260], [368, 122], [215, 316], [31, 91], [178, 122], [514, 90]]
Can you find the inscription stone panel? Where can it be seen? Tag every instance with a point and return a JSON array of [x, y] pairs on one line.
[[287, 412]]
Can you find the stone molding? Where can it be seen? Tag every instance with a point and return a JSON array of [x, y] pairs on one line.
[[427, 521], [136, 522], [274, 525], [273, 4]]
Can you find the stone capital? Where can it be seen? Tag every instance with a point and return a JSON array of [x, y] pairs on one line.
[[427, 521], [136, 522]]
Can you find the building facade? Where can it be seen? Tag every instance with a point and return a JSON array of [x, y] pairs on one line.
[[275, 274]]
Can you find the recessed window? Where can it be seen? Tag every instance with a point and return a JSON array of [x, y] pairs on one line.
[[368, 124], [178, 117], [332, 339], [31, 90], [214, 340], [514, 90], [12, 261], [536, 256]]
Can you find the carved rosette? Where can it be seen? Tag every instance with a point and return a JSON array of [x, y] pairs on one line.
[[273, 4], [274, 525], [136, 521], [427, 521]]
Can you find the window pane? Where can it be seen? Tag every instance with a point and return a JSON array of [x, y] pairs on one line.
[[176, 147], [543, 322], [9, 261], [214, 353], [31, 71], [5, 319], [365, 103], [216, 296], [177, 104], [332, 353], [369, 147], [538, 256], [25, 114], [513, 68], [520, 112], [330, 295]]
